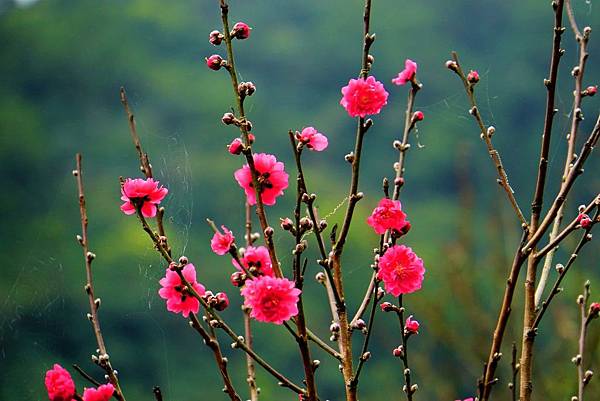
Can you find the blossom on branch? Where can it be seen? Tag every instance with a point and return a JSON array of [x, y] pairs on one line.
[[363, 96], [272, 179], [401, 270], [411, 326], [388, 215], [407, 74], [271, 299], [146, 193], [102, 393], [59, 384], [175, 292], [256, 260], [312, 139], [221, 243]]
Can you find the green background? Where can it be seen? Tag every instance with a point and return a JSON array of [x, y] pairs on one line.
[[62, 63]]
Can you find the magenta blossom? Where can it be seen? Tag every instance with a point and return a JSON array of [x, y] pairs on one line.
[[220, 243], [102, 393], [363, 96], [241, 30], [401, 270], [387, 215], [147, 192], [312, 139], [272, 300], [407, 74], [256, 260], [59, 384], [272, 178], [214, 62], [179, 300]]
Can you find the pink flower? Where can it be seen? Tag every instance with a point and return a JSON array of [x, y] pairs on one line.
[[594, 309], [102, 393], [401, 270], [257, 261], [312, 139], [59, 384], [363, 96], [468, 399], [214, 62], [147, 192], [411, 326], [407, 74], [387, 215], [178, 300], [271, 299], [220, 243], [240, 30], [272, 178]]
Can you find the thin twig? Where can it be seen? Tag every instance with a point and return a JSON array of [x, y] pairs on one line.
[[409, 389], [260, 208], [157, 393], [103, 358], [85, 375], [486, 135], [250, 368]]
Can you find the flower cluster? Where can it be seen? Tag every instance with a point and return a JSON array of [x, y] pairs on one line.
[[61, 387]]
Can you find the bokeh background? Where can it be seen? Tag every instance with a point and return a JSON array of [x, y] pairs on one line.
[[62, 63]]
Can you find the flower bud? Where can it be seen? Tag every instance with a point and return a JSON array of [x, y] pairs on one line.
[[411, 326], [417, 116], [214, 62], [228, 118], [215, 37], [183, 260], [251, 138], [451, 65], [238, 279], [222, 301], [287, 224], [386, 307], [473, 77], [320, 277], [591, 90], [584, 220], [398, 352], [235, 147], [335, 327], [359, 324], [595, 309], [306, 223], [240, 30]]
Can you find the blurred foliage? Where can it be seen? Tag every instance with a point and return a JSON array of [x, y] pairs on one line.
[[62, 65]]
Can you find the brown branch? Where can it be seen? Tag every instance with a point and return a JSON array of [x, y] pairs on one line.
[[250, 368], [486, 135], [526, 384], [212, 342], [145, 165], [345, 338], [244, 124], [576, 117], [583, 377], [103, 358], [409, 389]]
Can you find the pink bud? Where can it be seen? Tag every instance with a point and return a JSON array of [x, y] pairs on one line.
[[595, 309], [386, 307], [215, 37], [251, 138], [228, 118], [591, 90], [214, 62], [584, 220], [451, 65], [222, 301], [240, 30], [397, 352], [473, 77], [235, 147], [411, 326], [287, 224], [418, 116], [238, 279]]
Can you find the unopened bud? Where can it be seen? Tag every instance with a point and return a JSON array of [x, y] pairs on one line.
[[451, 65], [214, 62], [228, 119], [215, 37], [473, 77], [240, 30]]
